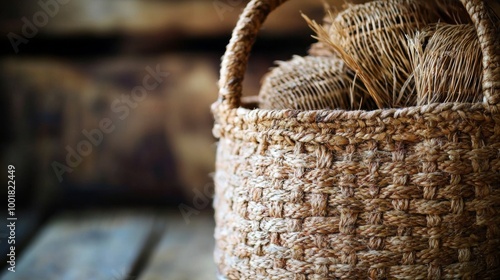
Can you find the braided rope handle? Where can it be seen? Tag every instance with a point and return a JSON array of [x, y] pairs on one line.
[[235, 59]]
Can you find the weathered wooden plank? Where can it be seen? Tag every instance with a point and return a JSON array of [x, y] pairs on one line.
[[87, 245], [185, 251]]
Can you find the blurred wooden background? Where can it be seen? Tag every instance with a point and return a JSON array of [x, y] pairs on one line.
[[87, 55]]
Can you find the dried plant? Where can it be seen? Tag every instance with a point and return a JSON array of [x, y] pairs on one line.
[[447, 64], [311, 83], [319, 48], [371, 39]]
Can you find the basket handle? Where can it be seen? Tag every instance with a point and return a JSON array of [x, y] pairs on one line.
[[235, 59]]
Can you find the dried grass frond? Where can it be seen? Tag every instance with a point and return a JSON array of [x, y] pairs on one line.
[[371, 39], [447, 64], [311, 83], [319, 48]]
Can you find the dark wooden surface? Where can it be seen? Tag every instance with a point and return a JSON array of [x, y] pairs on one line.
[[185, 251], [119, 245]]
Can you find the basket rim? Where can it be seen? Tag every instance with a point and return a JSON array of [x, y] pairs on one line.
[[339, 114], [437, 120]]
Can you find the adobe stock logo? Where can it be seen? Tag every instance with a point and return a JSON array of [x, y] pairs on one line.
[[201, 201], [121, 107], [223, 6], [30, 28]]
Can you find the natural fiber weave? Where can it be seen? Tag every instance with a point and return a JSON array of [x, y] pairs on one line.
[[410, 193], [447, 64], [449, 11], [311, 83], [371, 38]]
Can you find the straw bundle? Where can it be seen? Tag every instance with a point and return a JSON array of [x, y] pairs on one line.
[[371, 38], [447, 63], [310, 83], [449, 11]]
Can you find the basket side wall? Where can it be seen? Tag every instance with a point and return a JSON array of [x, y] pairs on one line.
[[349, 200]]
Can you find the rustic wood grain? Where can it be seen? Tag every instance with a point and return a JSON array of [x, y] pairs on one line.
[[88, 245], [185, 251]]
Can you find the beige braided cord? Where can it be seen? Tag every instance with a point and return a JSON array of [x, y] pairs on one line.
[[409, 193], [238, 50]]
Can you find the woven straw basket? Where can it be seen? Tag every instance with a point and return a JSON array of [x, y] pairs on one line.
[[410, 193]]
